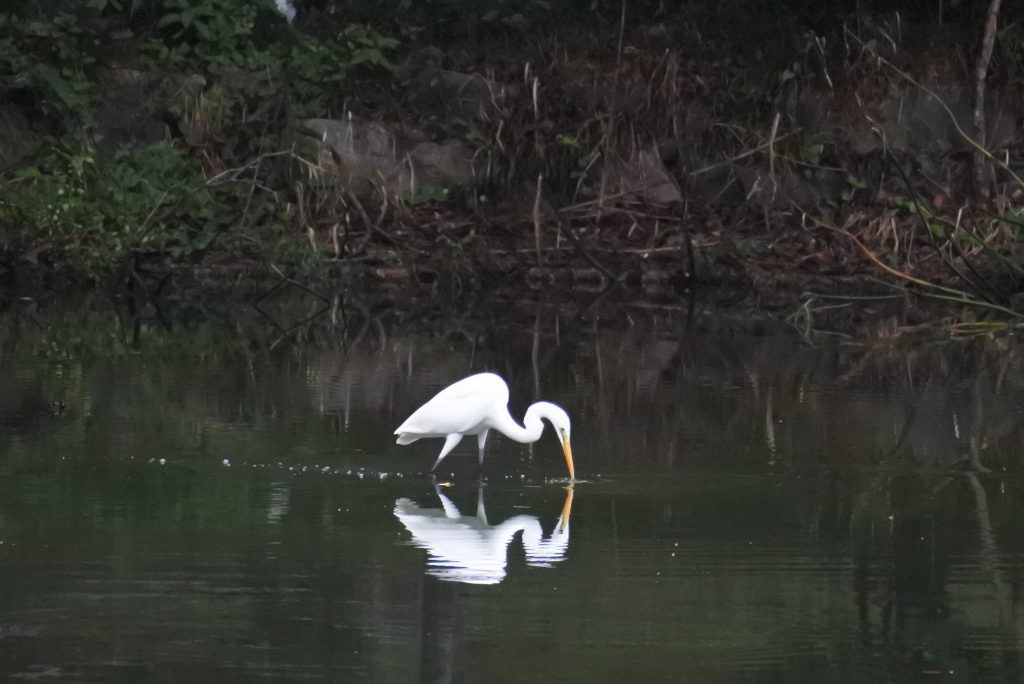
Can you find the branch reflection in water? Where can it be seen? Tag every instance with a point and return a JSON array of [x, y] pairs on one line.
[[468, 549]]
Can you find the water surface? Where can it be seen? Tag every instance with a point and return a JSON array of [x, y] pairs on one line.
[[199, 498]]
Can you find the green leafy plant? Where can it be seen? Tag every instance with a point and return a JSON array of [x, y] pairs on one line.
[[428, 195], [50, 59], [366, 46], [93, 211]]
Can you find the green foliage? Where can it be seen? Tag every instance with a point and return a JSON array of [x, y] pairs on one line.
[[93, 211], [207, 31], [49, 59], [208, 34], [366, 46], [428, 195], [59, 55]]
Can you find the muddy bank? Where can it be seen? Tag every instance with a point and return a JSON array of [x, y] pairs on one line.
[[754, 284]]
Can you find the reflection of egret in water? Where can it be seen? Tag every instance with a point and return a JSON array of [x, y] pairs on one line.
[[463, 548]]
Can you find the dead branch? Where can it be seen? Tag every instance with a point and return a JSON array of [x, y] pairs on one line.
[[982, 169]]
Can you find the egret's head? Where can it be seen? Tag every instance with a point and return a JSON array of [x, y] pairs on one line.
[[559, 420]]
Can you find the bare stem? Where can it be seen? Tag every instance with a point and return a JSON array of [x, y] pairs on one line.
[[982, 168]]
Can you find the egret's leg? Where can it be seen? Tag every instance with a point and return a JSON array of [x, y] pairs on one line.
[[481, 440], [451, 511], [449, 444], [481, 512]]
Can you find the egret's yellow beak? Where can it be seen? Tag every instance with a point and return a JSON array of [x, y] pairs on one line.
[[567, 449], [563, 520]]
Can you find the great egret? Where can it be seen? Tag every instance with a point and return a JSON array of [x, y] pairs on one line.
[[475, 406], [468, 549]]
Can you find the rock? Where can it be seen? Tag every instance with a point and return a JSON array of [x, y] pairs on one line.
[[718, 186], [17, 139], [620, 100], [467, 95], [920, 124], [645, 176], [367, 155], [863, 140], [705, 182], [190, 86], [127, 113], [788, 189]]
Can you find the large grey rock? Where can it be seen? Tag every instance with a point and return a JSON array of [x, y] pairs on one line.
[[470, 96], [128, 112], [789, 189], [645, 176], [368, 156], [704, 181], [718, 186], [926, 122]]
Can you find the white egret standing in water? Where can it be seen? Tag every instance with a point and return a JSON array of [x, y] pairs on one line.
[[475, 406]]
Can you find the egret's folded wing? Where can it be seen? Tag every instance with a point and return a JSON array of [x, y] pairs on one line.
[[460, 407], [441, 418]]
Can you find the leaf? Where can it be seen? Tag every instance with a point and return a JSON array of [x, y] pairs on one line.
[[169, 19], [203, 30]]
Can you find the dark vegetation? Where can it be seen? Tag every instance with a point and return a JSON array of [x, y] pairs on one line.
[[801, 146]]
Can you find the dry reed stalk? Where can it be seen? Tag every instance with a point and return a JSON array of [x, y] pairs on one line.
[[536, 220]]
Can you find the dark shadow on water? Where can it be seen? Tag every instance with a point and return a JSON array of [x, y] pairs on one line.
[[442, 637]]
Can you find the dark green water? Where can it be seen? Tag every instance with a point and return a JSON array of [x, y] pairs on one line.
[[219, 505]]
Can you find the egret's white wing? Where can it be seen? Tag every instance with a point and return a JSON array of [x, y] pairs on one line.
[[458, 408]]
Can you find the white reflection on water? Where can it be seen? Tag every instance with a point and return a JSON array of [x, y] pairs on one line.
[[468, 549]]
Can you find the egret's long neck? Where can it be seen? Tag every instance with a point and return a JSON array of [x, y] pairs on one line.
[[534, 425], [528, 524]]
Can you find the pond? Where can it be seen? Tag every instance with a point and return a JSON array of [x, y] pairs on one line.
[[215, 494]]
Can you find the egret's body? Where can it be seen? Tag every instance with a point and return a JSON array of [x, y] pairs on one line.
[[475, 406]]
